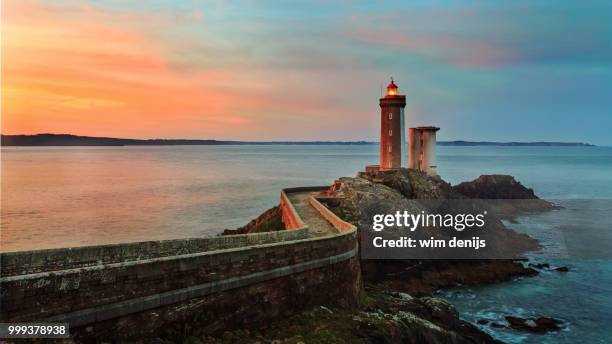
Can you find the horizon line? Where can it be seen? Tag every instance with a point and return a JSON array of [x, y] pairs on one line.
[[75, 136]]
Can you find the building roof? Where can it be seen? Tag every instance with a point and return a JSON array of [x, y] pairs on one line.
[[392, 90], [429, 127]]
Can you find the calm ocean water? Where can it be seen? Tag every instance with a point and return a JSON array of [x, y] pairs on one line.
[[57, 197]]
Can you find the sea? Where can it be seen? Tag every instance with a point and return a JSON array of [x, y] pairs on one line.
[[75, 196]]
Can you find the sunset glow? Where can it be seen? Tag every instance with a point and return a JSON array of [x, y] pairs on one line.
[[250, 72]]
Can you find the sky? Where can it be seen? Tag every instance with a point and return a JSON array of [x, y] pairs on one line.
[[307, 70]]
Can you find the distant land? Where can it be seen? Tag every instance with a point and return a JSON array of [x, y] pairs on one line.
[[490, 143], [74, 140]]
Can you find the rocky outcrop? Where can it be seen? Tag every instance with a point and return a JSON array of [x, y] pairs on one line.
[[540, 266], [510, 195], [546, 266], [384, 317], [534, 325], [423, 277], [388, 192], [495, 186], [392, 317], [268, 221], [413, 184], [405, 189]]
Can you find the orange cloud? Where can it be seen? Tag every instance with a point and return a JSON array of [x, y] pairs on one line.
[[89, 71], [83, 76]]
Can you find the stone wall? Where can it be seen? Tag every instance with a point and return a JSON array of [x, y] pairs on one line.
[[28, 262], [290, 217], [47, 294], [338, 223], [251, 307], [236, 281]]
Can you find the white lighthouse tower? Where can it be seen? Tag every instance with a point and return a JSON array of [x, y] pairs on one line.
[[422, 151]]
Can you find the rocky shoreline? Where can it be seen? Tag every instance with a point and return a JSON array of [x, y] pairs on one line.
[[383, 317], [398, 306]]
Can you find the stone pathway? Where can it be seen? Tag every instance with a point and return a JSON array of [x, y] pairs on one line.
[[317, 225]]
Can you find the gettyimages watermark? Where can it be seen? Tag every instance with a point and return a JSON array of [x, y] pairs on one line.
[[411, 222], [489, 229]]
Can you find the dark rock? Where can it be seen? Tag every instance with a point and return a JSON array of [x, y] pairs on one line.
[[425, 320], [497, 325], [548, 324], [408, 190], [268, 221], [512, 196], [516, 322], [540, 265], [562, 269], [405, 189], [529, 272], [535, 325], [423, 277], [384, 317], [483, 321], [414, 184], [495, 186]]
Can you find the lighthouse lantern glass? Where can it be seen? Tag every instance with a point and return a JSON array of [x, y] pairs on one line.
[[392, 89]]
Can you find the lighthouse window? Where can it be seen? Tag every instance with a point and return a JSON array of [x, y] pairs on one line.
[[389, 148], [390, 132], [390, 115]]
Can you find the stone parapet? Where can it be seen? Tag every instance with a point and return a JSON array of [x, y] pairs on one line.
[[101, 290], [29, 262]]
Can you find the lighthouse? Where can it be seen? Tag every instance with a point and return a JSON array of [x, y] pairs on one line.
[[421, 149], [392, 133]]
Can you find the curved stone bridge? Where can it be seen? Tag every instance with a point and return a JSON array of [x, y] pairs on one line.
[[112, 291], [318, 225]]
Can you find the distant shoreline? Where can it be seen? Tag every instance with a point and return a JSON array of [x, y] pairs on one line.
[[74, 140]]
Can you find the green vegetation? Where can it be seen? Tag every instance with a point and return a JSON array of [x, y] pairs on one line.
[[337, 210], [271, 224]]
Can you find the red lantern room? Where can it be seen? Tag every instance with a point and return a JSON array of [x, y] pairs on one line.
[[392, 89]]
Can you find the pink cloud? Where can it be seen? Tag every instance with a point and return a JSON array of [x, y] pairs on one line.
[[83, 70], [447, 48]]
